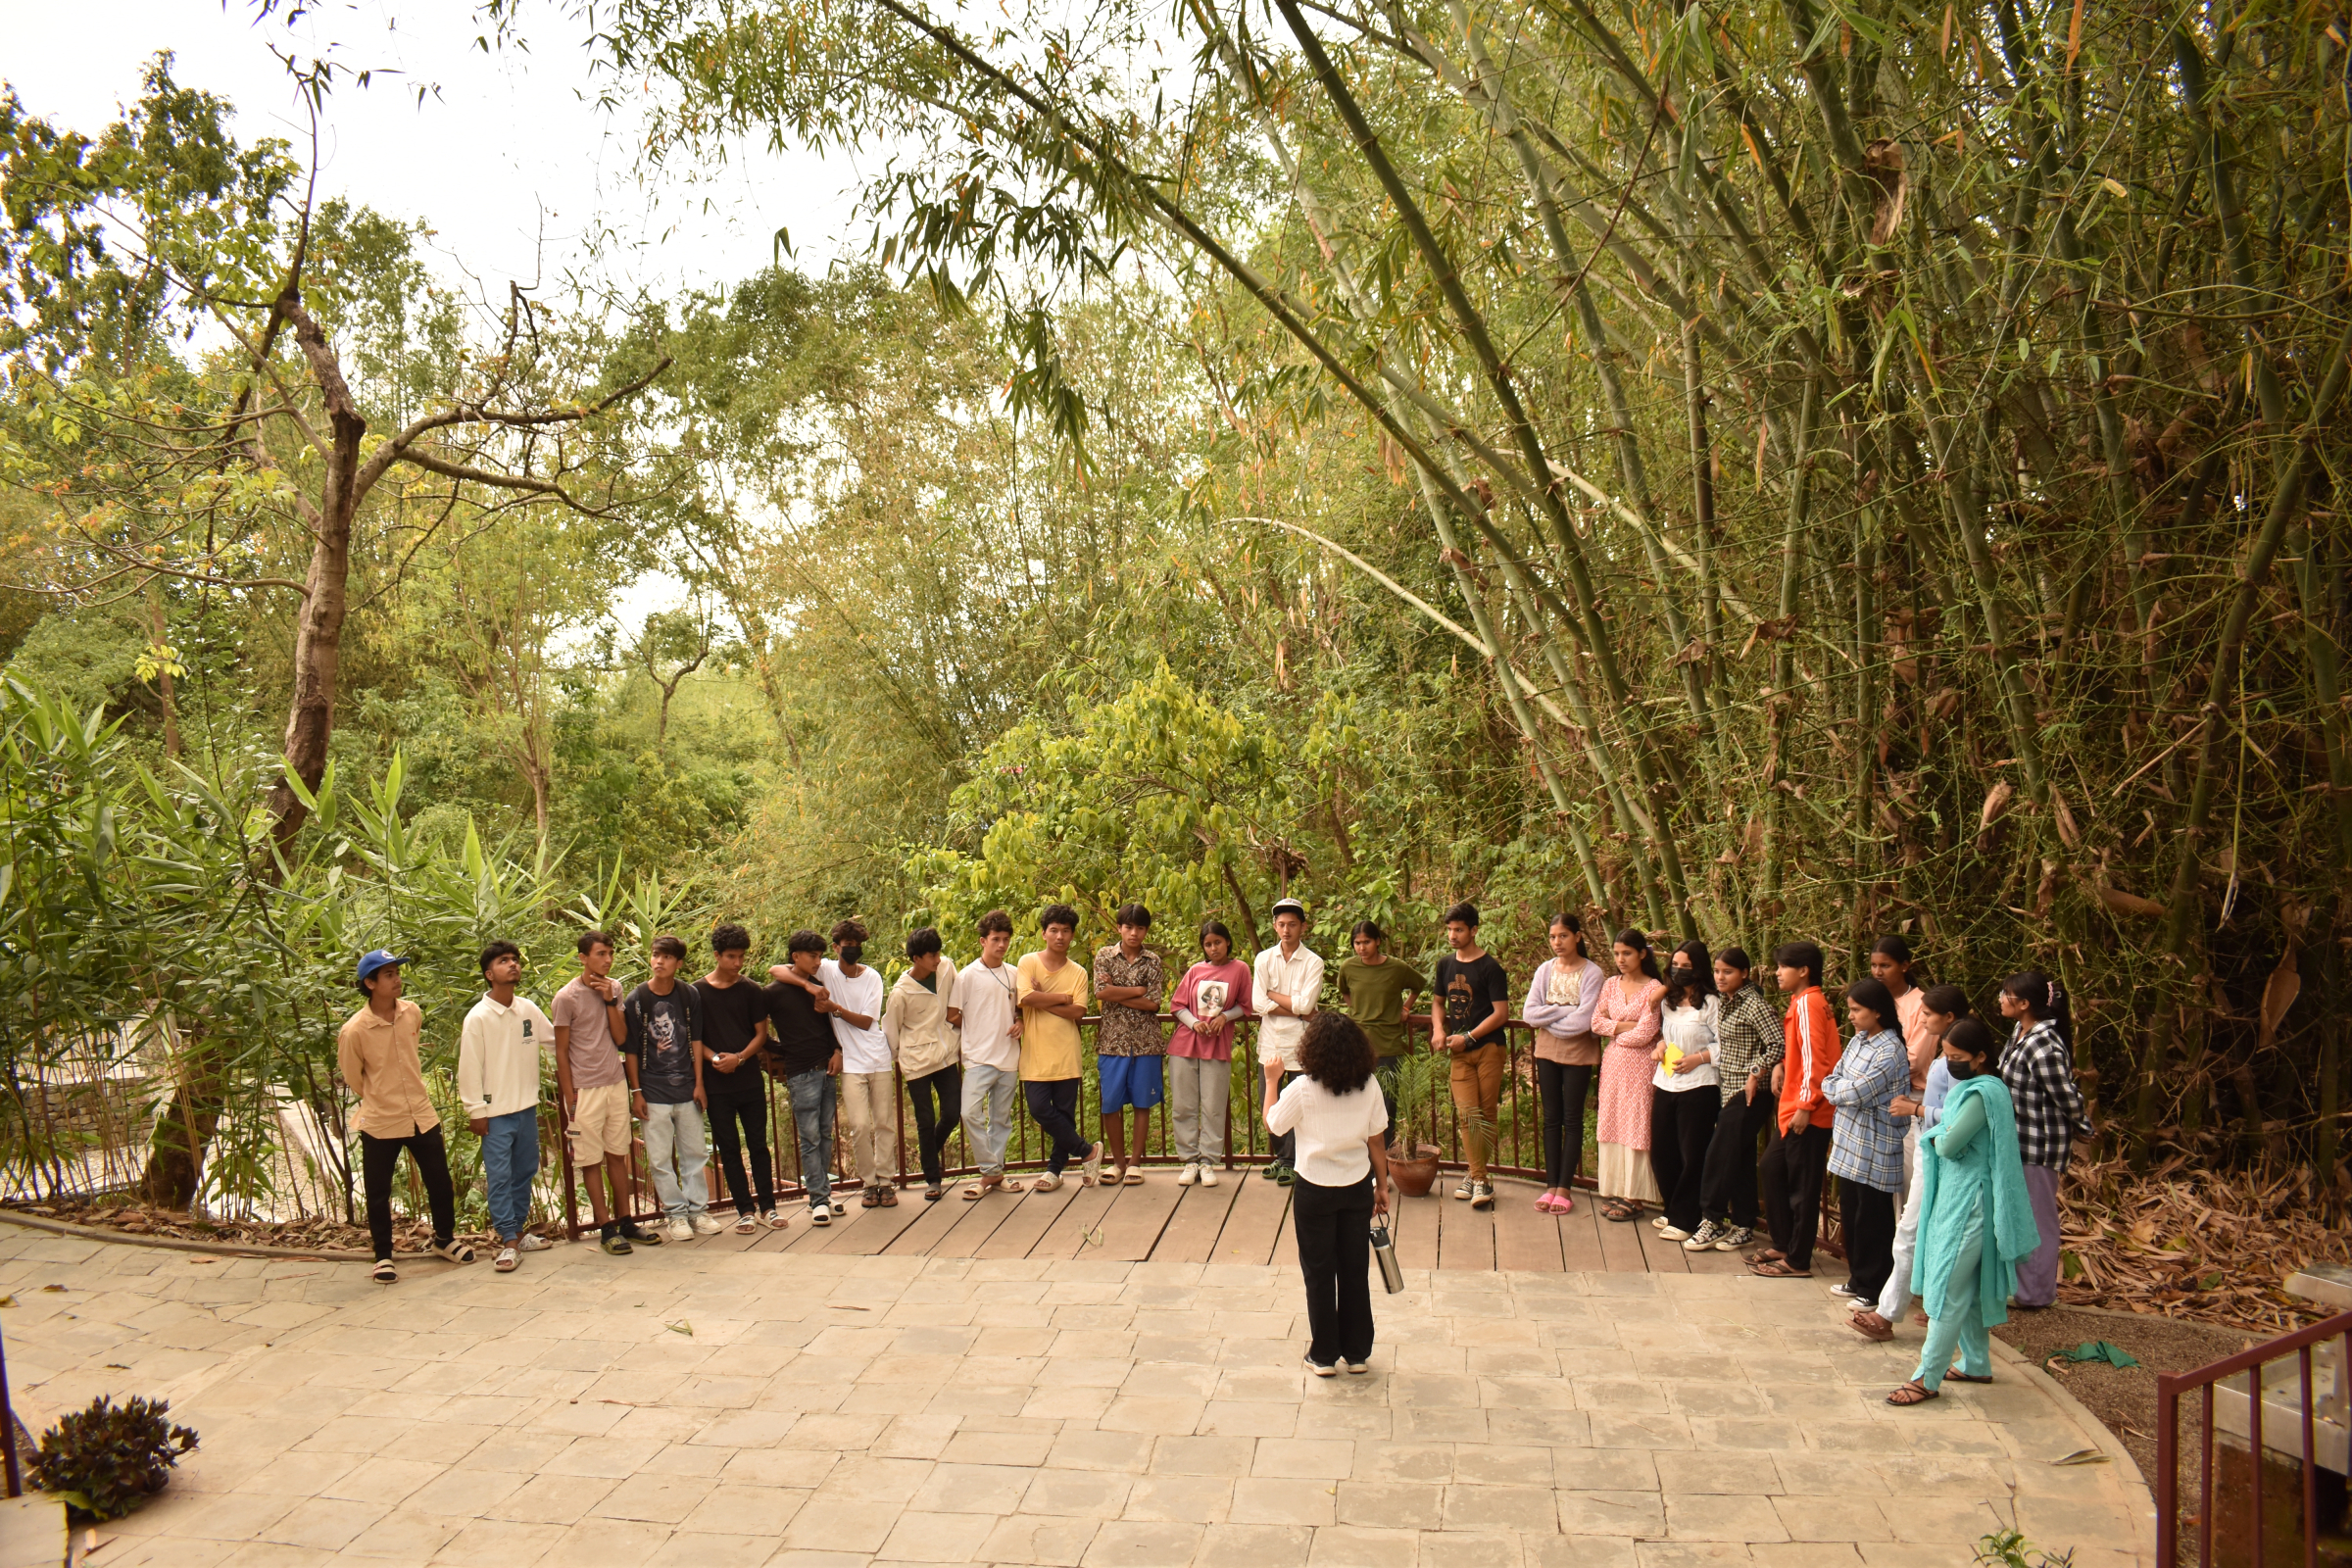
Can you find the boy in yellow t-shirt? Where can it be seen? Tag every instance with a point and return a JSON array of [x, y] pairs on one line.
[[1051, 996]]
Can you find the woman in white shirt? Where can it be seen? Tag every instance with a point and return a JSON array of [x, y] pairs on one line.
[[1680, 1119], [1560, 1006], [1339, 1127]]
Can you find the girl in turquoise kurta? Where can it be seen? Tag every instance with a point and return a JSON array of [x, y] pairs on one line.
[[1976, 1218]]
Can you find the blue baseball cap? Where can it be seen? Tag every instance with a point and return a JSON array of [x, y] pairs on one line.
[[375, 958]]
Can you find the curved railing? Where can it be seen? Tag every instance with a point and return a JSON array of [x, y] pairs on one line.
[[1425, 1110]]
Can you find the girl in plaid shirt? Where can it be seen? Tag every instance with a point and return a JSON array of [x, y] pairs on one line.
[[2039, 1066], [1866, 1144]]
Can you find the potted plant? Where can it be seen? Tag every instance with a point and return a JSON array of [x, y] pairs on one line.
[[1416, 1171], [108, 1459]]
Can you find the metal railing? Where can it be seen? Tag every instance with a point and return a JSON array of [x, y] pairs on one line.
[[1426, 1116], [2287, 1417]]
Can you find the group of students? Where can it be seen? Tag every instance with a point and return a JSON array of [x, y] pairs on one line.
[[1948, 1144], [1714, 1105]]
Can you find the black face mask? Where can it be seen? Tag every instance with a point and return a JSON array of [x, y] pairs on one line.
[[1963, 1068], [852, 951], [1681, 977]]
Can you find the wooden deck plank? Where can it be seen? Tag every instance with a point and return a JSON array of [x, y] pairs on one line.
[[1254, 1221], [1077, 1232], [1580, 1237], [1713, 1263], [1525, 1239], [974, 1224], [1663, 1257], [1131, 1231], [930, 1223], [1620, 1248], [884, 1226], [825, 1238], [1029, 1220], [1416, 1232], [1465, 1236], [1191, 1235]]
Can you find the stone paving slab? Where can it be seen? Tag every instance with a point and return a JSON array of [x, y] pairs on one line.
[[813, 1410]]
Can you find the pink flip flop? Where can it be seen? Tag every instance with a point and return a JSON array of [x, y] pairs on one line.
[[1550, 1204]]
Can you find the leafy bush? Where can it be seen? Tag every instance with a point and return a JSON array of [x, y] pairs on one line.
[[2009, 1548], [108, 1459]]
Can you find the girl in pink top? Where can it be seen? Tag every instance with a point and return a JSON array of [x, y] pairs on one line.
[[1627, 1017], [1208, 1002]]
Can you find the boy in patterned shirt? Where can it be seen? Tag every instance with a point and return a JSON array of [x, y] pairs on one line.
[[1129, 1049]]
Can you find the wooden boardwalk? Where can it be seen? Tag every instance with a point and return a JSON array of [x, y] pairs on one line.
[[1242, 1219]]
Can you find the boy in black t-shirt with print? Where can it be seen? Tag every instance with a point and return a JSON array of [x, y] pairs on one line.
[[1474, 1001]]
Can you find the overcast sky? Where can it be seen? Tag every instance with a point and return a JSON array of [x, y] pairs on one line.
[[512, 140], [512, 148]]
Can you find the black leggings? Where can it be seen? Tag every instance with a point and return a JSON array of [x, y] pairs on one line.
[[1564, 1088], [377, 1158], [1053, 1106], [937, 1111], [736, 1126]]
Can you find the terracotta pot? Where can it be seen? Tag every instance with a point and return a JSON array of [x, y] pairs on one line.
[[1415, 1176]]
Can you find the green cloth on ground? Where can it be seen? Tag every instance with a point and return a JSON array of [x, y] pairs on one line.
[[1972, 1155], [2099, 1351]]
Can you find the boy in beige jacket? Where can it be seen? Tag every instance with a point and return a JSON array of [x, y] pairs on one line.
[[920, 1027]]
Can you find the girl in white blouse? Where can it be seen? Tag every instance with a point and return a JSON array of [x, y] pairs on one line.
[[1682, 1119], [1340, 1124]]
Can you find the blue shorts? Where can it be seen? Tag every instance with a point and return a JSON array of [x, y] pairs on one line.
[[1130, 1083]]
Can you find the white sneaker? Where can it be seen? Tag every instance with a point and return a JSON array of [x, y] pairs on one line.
[[1208, 1175], [532, 1241], [1673, 1233], [681, 1231], [1189, 1175], [1658, 1224], [704, 1225], [1322, 1369]]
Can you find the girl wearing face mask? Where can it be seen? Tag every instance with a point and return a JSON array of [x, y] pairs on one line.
[[1680, 1116], [1940, 1007], [1559, 1007], [1976, 1217]]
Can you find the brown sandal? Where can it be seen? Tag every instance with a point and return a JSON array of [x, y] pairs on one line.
[[1912, 1392], [1770, 1254], [1778, 1269], [1871, 1326], [1621, 1212], [1963, 1377]]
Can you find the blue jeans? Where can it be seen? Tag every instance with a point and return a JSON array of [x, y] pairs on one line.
[[813, 1106], [510, 1160], [673, 1137]]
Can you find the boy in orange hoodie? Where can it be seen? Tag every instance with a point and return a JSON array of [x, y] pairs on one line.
[[1805, 1115]]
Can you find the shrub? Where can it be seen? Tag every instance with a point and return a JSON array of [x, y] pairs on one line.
[[108, 1459]]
